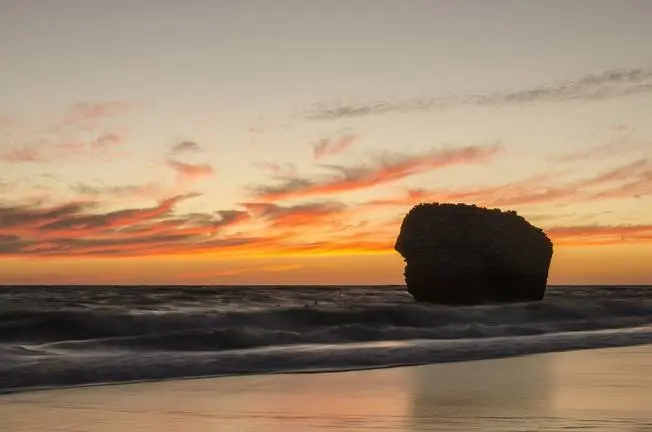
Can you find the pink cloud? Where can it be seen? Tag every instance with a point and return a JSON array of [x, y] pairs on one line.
[[84, 112], [43, 151], [190, 171], [382, 171], [24, 155], [625, 181]]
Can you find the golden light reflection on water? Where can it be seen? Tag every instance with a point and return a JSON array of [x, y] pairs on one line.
[[604, 390]]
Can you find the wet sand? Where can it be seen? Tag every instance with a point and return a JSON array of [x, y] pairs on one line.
[[596, 390]]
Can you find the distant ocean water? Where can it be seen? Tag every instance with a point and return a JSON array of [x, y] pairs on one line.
[[60, 336]]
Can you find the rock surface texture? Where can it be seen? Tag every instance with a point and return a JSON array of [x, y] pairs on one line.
[[462, 254]]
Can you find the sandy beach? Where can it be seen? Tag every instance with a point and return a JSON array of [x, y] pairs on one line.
[[598, 390]]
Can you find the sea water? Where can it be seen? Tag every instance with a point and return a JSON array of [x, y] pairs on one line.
[[78, 335]]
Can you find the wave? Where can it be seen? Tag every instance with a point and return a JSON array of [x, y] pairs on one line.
[[357, 323], [120, 366], [73, 345]]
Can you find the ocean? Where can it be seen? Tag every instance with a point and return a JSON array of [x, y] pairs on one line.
[[56, 336]]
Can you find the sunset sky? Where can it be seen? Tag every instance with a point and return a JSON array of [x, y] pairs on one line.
[[265, 142]]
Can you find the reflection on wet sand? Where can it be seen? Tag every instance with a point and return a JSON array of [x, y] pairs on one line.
[[608, 389], [274, 403], [509, 388], [604, 390]]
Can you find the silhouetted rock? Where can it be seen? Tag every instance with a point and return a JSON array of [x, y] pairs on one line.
[[464, 254]]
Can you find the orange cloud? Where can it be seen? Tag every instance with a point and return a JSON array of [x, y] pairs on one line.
[[79, 229], [82, 229], [329, 147], [314, 214], [383, 171]]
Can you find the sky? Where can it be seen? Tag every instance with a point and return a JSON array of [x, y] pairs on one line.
[[259, 142]]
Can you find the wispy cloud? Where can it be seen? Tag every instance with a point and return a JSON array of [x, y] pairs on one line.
[[382, 170], [47, 150], [600, 235], [87, 113], [332, 146], [189, 171], [605, 85], [277, 170], [147, 190], [77, 137], [623, 143], [17, 155], [302, 215], [625, 181], [84, 229], [81, 228], [185, 147]]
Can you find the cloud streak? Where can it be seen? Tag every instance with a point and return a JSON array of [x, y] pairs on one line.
[[303, 215], [600, 235], [82, 229], [74, 138], [85, 113], [189, 171], [46, 151], [625, 181], [381, 171], [624, 143], [332, 146], [74, 229], [609, 84], [185, 147], [147, 190]]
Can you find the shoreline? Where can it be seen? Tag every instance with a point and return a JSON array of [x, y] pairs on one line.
[[604, 389], [310, 371]]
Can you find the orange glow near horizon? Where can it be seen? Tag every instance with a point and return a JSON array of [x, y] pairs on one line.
[[266, 148], [264, 243], [571, 265]]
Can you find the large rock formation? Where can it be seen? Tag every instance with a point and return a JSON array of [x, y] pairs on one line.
[[464, 254]]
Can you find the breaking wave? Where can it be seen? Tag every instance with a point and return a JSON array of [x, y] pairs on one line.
[[101, 335]]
